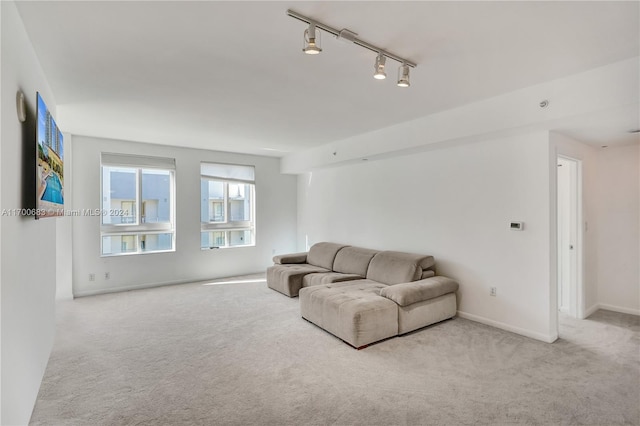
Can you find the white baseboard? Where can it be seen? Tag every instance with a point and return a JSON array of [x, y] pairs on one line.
[[618, 309], [591, 310], [547, 338], [146, 286], [77, 294]]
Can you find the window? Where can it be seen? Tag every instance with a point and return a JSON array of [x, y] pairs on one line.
[[138, 208], [228, 205]]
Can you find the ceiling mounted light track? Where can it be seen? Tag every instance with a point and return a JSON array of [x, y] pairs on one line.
[[312, 46]]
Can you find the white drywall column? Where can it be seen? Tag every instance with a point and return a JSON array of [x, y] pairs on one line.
[[64, 229], [1, 118], [28, 247]]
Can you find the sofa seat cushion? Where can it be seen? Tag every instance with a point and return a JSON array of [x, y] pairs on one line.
[[327, 278], [287, 279], [351, 310]]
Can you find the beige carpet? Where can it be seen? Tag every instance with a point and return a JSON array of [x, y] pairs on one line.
[[240, 354]]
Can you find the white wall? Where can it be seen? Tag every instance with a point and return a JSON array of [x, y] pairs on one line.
[[275, 221], [618, 229], [456, 204], [28, 247]]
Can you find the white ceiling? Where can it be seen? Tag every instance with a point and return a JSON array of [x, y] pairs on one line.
[[231, 75]]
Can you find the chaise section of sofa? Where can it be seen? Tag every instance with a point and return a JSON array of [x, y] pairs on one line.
[[422, 303], [352, 311], [399, 294]]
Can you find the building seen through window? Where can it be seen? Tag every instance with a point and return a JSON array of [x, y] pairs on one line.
[[137, 206], [227, 205]]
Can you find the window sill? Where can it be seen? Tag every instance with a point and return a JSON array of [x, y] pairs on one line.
[[226, 248], [138, 253]]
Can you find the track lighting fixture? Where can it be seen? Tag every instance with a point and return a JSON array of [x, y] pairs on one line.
[[403, 76], [312, 46], [379, 67], [311, 40]]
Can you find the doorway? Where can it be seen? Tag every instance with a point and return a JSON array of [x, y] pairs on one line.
[[569, 219]]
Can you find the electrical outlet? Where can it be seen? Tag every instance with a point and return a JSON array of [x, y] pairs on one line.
[[492, 291], [92, 277], [107, 275]]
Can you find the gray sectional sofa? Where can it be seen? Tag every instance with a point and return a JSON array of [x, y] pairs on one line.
[[362, 295]]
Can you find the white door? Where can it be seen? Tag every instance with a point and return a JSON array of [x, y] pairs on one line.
[[568, 236]]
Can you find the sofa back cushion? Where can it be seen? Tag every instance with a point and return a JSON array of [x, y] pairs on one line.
[[323, 254], [394, 267], [353, 260]]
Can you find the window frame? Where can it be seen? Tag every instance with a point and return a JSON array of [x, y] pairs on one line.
[[139, 227], [228, 225]]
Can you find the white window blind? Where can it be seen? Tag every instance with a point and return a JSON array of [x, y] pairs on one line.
[[138, 161], [233, 172]]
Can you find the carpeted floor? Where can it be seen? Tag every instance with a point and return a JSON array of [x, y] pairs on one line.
[[239, 354]]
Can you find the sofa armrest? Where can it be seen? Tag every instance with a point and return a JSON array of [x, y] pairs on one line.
[[290, 258], [418, 291]]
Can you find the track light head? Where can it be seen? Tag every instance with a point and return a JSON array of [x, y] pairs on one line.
[[379, 67], [403, 76], [311, 40]]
